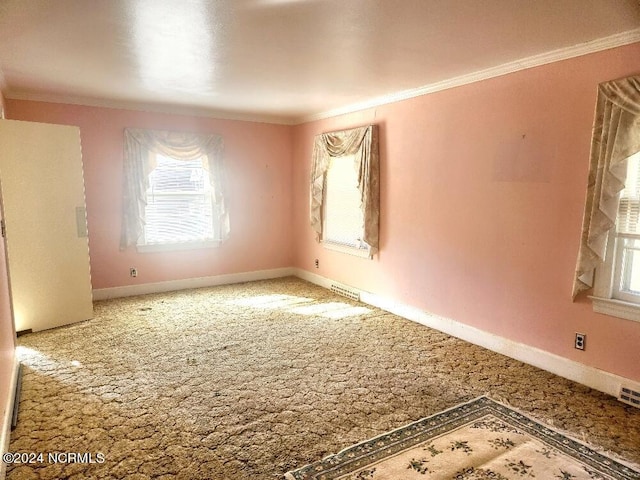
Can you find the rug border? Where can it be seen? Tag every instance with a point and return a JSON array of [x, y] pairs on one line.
[[606, 463], [289, 474]]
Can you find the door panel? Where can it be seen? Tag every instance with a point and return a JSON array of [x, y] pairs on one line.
[[48, 256]]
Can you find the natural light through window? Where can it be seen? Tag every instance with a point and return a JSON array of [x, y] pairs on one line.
[[343, 217], [302, 306], [179, 207], [627, 259], [334, 310], [270, 301], [43, 361]]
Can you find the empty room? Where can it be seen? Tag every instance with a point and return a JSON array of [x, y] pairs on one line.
[[320, 239]]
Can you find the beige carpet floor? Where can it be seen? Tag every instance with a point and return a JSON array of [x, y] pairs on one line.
[[249, 381]]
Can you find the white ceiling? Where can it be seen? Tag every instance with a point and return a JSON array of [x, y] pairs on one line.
[[284, 60]]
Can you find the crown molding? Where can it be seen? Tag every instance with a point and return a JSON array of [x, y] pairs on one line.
[[145, 107], [617, 40]]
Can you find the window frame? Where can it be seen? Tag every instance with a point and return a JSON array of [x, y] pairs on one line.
[[619, 271], [143, 247], [139, 143], [607, 297], [363, 142]]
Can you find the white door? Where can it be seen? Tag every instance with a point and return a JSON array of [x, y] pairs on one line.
[[42, 191]]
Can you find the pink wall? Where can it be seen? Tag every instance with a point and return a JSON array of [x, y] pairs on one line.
[[258, 161], [7, 335], [482, 195]]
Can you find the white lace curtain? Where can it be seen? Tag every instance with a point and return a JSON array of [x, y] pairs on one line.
[[140, 150], [616, 136], [363, 143]]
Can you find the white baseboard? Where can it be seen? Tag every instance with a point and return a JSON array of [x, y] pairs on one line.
[[200, 282], [5, 433], [592, 377]]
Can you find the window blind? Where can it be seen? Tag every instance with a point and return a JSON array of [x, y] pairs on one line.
[[179, 207], [344, 222], [629, 209]]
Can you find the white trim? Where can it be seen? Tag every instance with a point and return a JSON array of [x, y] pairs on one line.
[[319, 279], [174, 247], [200, 282], [355, 251], [617, 40], [592, 377], [616, 308], [5, 433]]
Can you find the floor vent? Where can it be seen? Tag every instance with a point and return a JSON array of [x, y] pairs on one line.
[[345, 291], [630, 397]]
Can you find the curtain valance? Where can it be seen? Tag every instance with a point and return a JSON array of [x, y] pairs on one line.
[[616, 136], [140, 150], [363, 143]]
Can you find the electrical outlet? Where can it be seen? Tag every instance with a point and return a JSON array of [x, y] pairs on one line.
[[133, 272], [317, 263], [581, 340]]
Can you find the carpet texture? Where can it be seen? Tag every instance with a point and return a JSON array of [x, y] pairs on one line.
[[253, 380], [477, 440]]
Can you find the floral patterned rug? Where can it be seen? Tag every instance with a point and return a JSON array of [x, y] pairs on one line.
[[479, 440]]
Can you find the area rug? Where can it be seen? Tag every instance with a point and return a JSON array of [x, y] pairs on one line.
[[478, 440]]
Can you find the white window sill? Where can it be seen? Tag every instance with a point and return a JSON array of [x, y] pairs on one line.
[[358, 252], [172, 247], [616, 308]]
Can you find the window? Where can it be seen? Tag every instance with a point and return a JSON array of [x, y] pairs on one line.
[[608, 258], [179, 208], [627, 237], [174, 192], [344, 190], [617, 285], [343, 217]]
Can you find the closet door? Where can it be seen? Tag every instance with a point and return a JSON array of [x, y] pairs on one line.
[[47, 248]]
